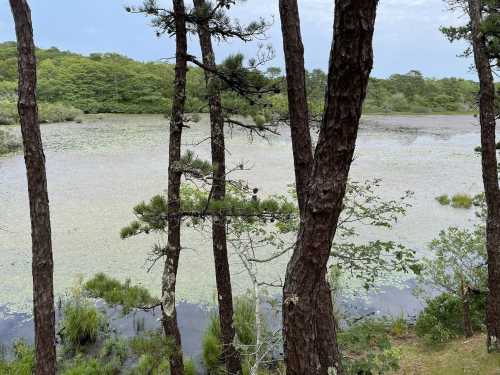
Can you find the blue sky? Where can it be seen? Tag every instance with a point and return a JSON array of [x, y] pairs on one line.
[[407, 33]]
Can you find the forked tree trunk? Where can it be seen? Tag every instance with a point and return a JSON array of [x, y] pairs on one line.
[[490, 173], [351, 62], [303, 161], [230, 354], [169, 313], [42, 262]]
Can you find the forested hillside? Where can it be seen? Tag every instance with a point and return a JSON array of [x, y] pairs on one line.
[[111, 83]]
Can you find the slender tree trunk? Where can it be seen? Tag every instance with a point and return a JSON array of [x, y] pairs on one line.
[[468, 331], [303, 161], [169, 313], [490, 173], [231, 356], [42, 262], [351, 61]]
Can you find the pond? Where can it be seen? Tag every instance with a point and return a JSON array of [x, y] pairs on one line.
[[99, 169]]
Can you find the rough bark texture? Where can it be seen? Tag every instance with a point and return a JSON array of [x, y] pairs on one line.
[[231, 356], [303, 160], [42, 262], [351, 61], [169, 313], [490, 173]]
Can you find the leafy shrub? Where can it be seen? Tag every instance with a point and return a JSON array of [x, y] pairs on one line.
[[23, 362], [399, 327], [368, 348], [81, 324], [443, 200], [442, 318], [461, 201], [116, 293]]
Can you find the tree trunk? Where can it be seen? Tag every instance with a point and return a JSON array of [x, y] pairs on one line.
[[490, 173], [169, 313], [351, 61], [42, 262], [303, 161], [468, 331], [222, 272]]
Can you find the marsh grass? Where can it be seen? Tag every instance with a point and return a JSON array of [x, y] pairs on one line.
[[443, 200], [462, 201]]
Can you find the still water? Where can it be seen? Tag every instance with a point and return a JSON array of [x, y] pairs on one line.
[[98, 170]]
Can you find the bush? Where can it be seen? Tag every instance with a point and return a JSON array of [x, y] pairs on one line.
[[116, 293], [91, 366], [442, 318], [443, 200], [461, 201], [367, 348], [81, 324]]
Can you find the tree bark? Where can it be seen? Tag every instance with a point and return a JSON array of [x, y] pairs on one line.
[[230, 354], [351, 62], [328, 351], [42, 262], [490, 173], [169, 313]]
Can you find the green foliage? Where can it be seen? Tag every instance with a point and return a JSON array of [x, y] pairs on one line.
[[443, 200], [23, 362], [459, 260], [47, 112], [81, 324], [111, 83], [367, 348], [153, 350], [115, 292], [461, 201], [442, 318], [90, 366], [8, 142], [244, 325]]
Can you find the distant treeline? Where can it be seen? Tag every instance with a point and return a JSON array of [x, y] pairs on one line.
[[111, 83]]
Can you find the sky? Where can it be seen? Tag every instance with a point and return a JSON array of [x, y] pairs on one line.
[[407, 35]]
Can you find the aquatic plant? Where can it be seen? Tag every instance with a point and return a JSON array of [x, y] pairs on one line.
[[462, 201]]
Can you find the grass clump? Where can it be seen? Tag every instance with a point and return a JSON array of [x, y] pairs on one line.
[[23, 362], [115, 292], [462, 201], [444, 200], [81, 324]]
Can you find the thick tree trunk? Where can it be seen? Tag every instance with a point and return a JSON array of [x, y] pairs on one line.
[[231, 356], [169, 313], [328, 351], [351, 61], [42, 262], [490, 173]]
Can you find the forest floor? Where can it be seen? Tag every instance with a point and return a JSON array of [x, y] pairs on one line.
[[459, 357]]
